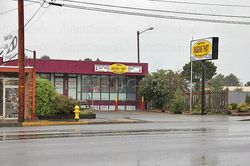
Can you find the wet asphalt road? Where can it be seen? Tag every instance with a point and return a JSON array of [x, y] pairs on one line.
[[165, 140]]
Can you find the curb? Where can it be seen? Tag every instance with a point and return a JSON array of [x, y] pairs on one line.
[[51, 123], [58, 123]]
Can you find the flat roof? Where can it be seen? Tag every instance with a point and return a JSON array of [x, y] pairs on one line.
[[79, 67]]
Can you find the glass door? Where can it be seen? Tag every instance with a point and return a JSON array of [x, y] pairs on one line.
[[11, 101]]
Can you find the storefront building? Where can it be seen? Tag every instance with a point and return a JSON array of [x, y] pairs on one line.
[[96, 82], [9, 92]]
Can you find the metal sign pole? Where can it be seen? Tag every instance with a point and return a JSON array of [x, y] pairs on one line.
[[191, 79], [203, 89]]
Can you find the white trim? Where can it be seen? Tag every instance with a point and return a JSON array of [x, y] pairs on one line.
[[15, 67]]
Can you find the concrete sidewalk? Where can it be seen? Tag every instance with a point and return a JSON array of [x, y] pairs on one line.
[[15, 123], [108, 117]]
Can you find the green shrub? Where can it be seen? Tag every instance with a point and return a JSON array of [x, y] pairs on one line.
[[243, 107], [64, 105], [230, 107], [87, 111], [45, 97], [197, 108], [247, 99], [178, 103], [234, 106]]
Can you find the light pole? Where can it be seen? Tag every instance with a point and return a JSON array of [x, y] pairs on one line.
[[138, 41]]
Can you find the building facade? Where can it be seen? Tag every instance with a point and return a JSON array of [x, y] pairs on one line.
[[96, 82]]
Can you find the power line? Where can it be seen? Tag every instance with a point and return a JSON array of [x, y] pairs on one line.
[[149, 15], [155, 10], [11, 10], [38, 18], [198, 3], [34, 14]]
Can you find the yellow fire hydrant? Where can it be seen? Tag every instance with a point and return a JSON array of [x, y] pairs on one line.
[[77, 113]]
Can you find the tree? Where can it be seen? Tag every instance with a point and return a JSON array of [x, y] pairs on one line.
[[248, 83], [231, 80], [160, 87], [216, 83], [210, 70], [45, 57]]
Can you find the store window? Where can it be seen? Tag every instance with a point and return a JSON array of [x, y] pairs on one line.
[[86, 87], [59, 85], [104, 80], [96, 87], [113, 87], [72, 87], [131, 88], [122, 86], [45, 76]]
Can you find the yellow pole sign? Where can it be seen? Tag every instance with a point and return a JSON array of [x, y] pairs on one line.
[[204, 49]]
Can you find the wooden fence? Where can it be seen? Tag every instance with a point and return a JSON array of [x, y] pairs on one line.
[[215, 101]]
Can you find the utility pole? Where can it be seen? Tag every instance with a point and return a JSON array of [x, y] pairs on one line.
[[138, 46], [21, 72]]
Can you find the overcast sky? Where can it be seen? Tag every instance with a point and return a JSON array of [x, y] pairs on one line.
[[64, 33]]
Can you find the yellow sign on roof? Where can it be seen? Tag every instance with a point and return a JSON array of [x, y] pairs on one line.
[[118, 68]]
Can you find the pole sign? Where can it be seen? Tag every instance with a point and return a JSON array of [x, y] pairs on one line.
[[204, 49], [10, 47]]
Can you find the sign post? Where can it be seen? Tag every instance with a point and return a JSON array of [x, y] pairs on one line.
[[202, 50], [203, 99]]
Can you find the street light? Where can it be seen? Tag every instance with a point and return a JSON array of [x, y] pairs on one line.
[[138, 41]]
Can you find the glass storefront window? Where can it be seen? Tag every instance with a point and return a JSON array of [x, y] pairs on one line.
[[45, 76], [104, 87], [122, 86], [72, 87], [96, 87], [131, 88], [86, 87], [113, 87], [86, 96], [59, 85]]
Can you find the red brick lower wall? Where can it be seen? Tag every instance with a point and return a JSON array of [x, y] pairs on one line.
[[28, 95]]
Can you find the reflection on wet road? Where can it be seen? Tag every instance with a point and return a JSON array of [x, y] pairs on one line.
[[22, 135], [184, 143]]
